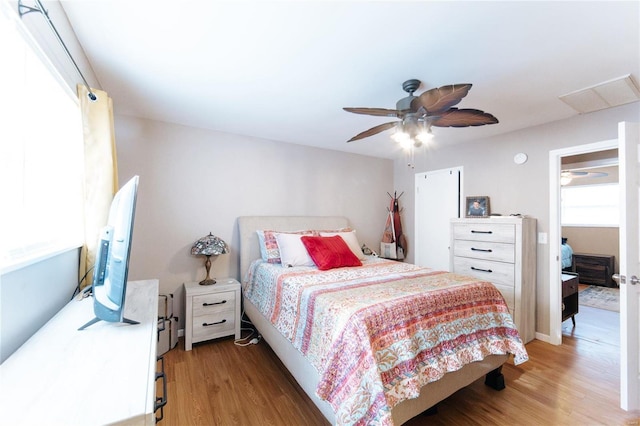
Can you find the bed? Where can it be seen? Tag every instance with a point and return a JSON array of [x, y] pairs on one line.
[[406, 402]]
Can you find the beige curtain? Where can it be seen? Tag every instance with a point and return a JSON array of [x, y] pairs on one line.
[[100, 171]]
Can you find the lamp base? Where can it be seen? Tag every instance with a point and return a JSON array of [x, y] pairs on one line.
[[208, 280]]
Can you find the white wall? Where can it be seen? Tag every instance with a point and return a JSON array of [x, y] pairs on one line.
[[194, 181], [489, 170]]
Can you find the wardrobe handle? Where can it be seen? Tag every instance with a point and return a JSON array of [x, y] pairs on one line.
[[483, 250], [481, 270]]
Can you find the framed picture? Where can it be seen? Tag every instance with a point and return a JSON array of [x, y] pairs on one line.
[[477, 206]]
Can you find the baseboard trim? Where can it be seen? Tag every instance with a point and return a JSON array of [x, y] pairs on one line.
[[544, 337]]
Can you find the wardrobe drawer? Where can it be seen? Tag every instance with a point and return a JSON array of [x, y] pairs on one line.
[[499, 252], [499, 273], [482, 231], [211, 303]]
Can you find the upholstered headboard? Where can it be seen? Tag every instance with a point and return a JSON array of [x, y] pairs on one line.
[[248, 225]]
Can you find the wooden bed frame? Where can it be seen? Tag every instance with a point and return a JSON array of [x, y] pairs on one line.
[[305, 374]]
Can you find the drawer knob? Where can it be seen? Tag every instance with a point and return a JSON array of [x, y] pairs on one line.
[[215, 303], [207, 324], [481, 232], [484, 250], [480, 269]]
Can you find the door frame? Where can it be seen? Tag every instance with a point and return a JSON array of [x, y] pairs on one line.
[[555, 282]]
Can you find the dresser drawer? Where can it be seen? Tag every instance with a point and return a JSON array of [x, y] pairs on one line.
[[213, 325], [498, 273], [499, 252], [482, 231], [211, 303], [509, 297]]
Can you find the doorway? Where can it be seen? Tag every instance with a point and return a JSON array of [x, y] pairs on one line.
[[555, 235], [590, 247]]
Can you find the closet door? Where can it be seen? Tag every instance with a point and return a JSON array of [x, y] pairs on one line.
[[437, 198]]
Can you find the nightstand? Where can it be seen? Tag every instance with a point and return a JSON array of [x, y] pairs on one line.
[[212, 311], [570, 296]]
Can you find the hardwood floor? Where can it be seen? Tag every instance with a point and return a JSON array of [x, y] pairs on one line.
[[577, 383]]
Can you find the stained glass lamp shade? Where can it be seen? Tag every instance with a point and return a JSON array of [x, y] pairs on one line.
[[208, 246]]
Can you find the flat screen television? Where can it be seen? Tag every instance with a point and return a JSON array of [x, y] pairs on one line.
[[111, 266]]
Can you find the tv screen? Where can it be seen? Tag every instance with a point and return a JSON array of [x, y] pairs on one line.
[[111, 266]]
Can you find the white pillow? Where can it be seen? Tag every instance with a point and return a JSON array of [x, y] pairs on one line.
[[351, 240], [292, 251]]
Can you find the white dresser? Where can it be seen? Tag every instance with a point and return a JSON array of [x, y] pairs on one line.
[[105, 374], [501, 250]]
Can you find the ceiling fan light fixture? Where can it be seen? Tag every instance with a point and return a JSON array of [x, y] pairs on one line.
[[424, 136], [404, 140], [400, 135]]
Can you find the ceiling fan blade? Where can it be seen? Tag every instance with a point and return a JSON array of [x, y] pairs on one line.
[[582, 174], [379, 112], [373, 131], [441, 98], [463, 118]]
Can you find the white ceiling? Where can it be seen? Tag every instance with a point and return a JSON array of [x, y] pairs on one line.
[[283, 70]]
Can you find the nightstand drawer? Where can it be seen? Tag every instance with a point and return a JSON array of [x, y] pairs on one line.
[[213, 325], [211, 303], [499, 252], [569, 284]]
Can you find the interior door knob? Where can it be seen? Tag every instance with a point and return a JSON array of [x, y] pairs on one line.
[[621, 279]]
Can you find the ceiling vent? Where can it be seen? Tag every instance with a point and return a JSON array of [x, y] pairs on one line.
[[619, 91]]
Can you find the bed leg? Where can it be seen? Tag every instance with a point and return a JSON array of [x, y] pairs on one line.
[[495, 379]]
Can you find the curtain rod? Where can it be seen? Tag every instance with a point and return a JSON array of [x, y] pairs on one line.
[[23, 10]]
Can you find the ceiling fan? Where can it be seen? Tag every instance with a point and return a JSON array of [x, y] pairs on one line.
[[418, 113], [582, 174]]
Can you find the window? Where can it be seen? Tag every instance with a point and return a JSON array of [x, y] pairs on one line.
[[590, 205], [41, 157]]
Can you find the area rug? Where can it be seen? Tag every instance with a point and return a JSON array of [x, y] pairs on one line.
[[600, 297]]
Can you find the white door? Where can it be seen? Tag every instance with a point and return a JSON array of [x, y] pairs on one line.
[[437, 200], [629, 138]]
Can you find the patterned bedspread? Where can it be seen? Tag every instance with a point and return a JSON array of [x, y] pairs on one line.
[[378, 333]]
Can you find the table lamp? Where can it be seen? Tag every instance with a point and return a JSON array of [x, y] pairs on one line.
[[209, 245]]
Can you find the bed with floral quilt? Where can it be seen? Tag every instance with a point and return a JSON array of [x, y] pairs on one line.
[[377, 341]]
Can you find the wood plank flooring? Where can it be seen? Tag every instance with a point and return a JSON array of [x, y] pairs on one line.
[[577, 383]]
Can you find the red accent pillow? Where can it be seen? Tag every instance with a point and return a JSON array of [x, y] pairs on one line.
[[330, 252]]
